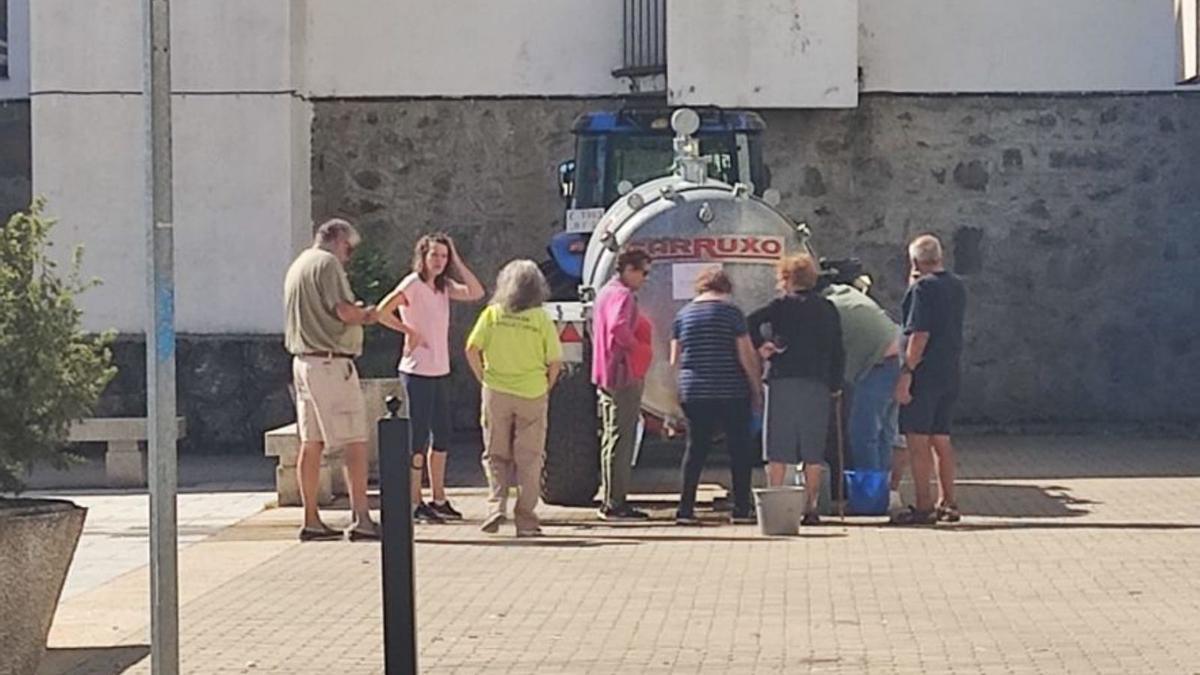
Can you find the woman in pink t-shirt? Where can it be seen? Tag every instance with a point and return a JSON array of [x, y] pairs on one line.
[[439, 275]]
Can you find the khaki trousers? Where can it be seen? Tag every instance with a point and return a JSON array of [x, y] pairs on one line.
[[514, 447]]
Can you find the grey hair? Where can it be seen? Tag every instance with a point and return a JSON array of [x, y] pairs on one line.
[[520, 286], [334, 230], [925, 249]]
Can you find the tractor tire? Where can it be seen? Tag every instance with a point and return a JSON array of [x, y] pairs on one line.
[[571, 473]]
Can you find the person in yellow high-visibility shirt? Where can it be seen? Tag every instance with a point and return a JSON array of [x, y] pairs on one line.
[[514, 352]]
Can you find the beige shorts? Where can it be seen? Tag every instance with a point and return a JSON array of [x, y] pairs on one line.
[[329, 401]]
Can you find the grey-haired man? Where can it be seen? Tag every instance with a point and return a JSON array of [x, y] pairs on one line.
[[324, 335], [934, 309]]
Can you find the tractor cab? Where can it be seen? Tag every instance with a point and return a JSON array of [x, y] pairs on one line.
[[617, 150]]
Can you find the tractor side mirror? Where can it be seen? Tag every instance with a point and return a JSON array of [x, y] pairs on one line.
[[566, 179]]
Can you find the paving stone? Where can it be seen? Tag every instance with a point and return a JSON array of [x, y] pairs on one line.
[[1074, 556]]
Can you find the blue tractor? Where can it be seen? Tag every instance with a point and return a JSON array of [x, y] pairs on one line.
[[617, 150]]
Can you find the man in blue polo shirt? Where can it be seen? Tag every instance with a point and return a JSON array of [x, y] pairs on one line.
[[934, 307]]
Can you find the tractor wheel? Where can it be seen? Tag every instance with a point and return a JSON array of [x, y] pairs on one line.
[[571, 474]]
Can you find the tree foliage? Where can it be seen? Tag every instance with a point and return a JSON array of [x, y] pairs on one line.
[[369, 274], [51, 371]]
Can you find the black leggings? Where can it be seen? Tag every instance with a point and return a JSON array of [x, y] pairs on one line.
[[705, 417], [428, 412]]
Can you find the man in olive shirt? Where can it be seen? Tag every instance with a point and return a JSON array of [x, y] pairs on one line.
[[324, 335], [871, 341]]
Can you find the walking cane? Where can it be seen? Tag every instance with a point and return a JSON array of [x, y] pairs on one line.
[[841, 478]]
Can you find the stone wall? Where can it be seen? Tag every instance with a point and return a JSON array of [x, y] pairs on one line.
[[1075, 221], [15, 163], [230, 388], [484, 171]]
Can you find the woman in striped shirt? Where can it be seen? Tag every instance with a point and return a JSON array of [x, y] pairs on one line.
[[719, 385]]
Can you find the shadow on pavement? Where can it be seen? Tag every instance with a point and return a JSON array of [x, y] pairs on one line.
[[966, 527], [622, 539], [1068, 457], [548, 541], [632, 533], [1021, 501], [91, 660]]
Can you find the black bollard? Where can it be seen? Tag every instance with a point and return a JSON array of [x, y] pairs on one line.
[[395, 495]]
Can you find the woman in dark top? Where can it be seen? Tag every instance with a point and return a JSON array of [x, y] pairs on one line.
[[719, 384], [806, 360]]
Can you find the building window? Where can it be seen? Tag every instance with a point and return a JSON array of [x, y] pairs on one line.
[[645, 38]]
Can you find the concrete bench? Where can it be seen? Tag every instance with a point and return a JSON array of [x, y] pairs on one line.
[[283, 443], [124, 463]]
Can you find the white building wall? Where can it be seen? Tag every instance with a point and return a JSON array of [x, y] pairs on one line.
[[245, 71], [957, 46], [86, 47], [87, 162], [233, 210], [232, 45], [241, 153], [749, 53], [464, 48], [568, 47]]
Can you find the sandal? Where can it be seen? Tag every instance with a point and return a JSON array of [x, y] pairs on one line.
[[948, 513], [911, 516], [492, 523], [322, 533], [356, 534]]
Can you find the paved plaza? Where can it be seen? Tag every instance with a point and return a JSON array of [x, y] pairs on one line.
[[1076, 555]]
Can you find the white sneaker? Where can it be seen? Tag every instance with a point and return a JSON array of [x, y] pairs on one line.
[[894, 502]]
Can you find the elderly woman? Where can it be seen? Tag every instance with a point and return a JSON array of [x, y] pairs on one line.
[[514, 352], [806, 368], [719, 384]]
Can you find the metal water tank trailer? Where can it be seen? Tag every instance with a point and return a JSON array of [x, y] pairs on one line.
[[686, 222]]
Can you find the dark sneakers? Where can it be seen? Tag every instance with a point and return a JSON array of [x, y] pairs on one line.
[[445, 510], [686, 519], [424, 513], [810, 518], [622, 513]]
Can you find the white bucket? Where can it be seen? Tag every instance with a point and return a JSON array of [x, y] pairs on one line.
[[780, 509]]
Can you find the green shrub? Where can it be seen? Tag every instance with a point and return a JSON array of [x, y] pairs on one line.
[[371, 278], [51, 372]]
